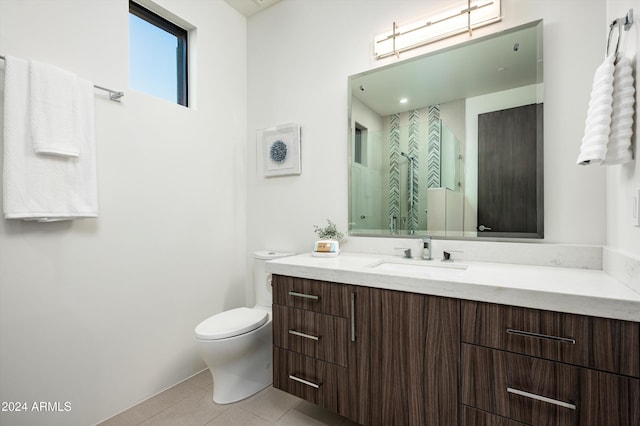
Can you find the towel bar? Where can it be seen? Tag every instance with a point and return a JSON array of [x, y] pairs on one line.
[[114, 95]]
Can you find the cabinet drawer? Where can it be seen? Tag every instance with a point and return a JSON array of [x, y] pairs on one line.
[[316, 381], [473, 417], [317, 335], [317, 296], [604, 344], [540, 392]]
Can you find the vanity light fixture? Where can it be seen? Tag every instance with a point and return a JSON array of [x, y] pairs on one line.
[[404, 100], [465, 17]]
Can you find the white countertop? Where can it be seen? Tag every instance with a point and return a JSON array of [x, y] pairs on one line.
[[578, 291]]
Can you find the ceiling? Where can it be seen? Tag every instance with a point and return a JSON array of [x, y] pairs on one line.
[[251, 7], [486, 65]]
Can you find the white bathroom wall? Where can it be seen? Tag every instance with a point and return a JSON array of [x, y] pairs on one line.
[[100, 313], [623, 181], [300, 54]]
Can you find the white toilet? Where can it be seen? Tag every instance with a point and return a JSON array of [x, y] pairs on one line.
[[236, 345]]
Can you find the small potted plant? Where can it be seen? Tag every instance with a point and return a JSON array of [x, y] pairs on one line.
[[329, 232], [329, 243]]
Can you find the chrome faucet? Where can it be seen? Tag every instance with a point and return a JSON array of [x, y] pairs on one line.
[[426, 248]]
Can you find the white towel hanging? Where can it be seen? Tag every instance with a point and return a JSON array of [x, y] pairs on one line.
[[597, 126], [45, 187], [53, 110], [619, 145], [609, 124]]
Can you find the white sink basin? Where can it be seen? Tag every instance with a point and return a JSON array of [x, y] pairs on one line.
[[420, 267]]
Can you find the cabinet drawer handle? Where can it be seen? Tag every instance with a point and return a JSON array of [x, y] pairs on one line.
[[541, 398], [541, 336], [304, 296], [305, 382], [353, 317], [306, 336]]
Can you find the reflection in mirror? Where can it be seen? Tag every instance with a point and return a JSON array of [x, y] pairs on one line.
[[450, 143]]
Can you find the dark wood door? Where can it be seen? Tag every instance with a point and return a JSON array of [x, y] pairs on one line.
[[510, 172], [414, 359]]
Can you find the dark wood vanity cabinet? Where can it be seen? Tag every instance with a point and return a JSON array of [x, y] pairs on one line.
[[537, 367], [383, 357], [400, 349]]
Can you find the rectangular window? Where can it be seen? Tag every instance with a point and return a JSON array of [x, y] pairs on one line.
[[360, 145], [157, 55]]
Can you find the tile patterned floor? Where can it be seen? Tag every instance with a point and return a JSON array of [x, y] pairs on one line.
[[189, 404]]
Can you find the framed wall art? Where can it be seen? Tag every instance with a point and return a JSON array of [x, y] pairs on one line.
[[279, 150]]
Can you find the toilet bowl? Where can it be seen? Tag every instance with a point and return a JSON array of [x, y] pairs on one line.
[[236, 344]]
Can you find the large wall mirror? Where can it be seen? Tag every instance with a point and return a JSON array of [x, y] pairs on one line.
[[450, 143]]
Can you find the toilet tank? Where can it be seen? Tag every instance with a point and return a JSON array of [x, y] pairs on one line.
[[262, 282]]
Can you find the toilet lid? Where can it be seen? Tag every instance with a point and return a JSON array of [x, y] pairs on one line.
[[231, 323]]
